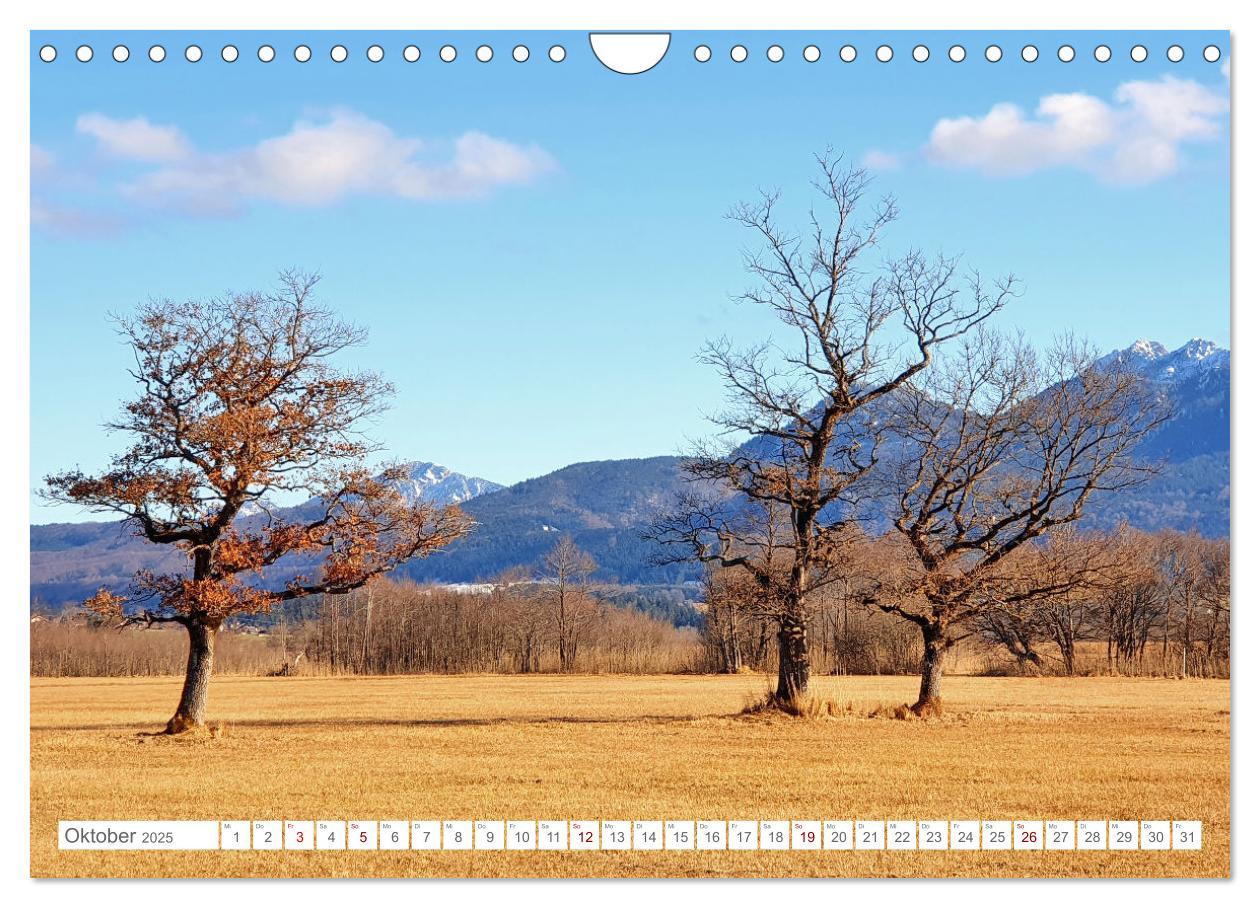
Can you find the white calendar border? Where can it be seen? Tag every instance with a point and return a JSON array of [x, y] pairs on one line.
[[639, 14]]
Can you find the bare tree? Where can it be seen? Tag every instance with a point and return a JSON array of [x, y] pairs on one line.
[[238, 401], [569, 571], [1003, 447], [725, 606], [858, 331]]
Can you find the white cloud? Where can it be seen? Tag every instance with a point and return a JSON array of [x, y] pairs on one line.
[[1136, 138], [881, 160], [70, 221], [1225, 68], [136, 139], [322, 162], [42, 160]]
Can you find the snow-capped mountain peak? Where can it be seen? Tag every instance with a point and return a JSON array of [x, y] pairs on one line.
[[1197, 357], [1197, 349], [437, 484], [1147, 349]]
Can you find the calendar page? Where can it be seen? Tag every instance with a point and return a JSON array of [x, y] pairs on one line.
[[578, 454]]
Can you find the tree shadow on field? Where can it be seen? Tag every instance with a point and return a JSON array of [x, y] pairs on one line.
[[369, 722]]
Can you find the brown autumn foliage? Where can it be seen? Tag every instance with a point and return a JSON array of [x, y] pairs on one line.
[[239, 402]]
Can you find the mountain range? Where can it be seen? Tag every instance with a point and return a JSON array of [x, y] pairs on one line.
[[605, 505]]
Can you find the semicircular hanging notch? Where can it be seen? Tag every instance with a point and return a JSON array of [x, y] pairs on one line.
[[629, 53]]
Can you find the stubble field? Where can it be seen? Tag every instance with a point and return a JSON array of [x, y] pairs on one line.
[[670, 747]]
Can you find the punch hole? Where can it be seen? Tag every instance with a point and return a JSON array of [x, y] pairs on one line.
[[485, 53], [627, 53], [157, 53], [703, 54], [920, 53], [229, 53], [1211, 53], [848, 53], [958, 53], [411, 53], [266, 53], [83, 53], [520, 53], [1175, 54], [447, 53], [339, 53], [302, 53], [192, 53], [883, 53], [375, 53], [993, 53], [812, 54], [1138, 53], [1102, 53], [774, 53], [1030, 53], [739, 53], [556, 53], [1067, 53], [121, 53], [48, 53]]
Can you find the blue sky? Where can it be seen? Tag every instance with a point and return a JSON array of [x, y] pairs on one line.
[[538, 249]]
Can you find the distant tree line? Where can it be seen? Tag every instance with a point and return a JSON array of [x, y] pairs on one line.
[[1129, 603]]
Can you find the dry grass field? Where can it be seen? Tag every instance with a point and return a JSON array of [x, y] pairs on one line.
[[629, 747]]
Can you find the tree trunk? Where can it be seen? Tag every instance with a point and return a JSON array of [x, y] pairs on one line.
[[933, 667], [793, 659], [1068, 649], [191, 712]]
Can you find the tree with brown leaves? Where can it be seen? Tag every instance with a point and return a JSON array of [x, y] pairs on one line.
[[1004, 446], [859, 330], [239, 403]]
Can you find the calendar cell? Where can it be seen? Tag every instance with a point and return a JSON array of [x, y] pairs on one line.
[[995, 835], [553, 835], [1091, 835], [933, 835], [868, 835], [584, 835], [649, 835], [615, 835], [901, 835], [838, 835], [393, 835], [1156, 835], [806, 835], [426, 835], [711, 835], [330, 835], [522, 835], [1060, 835], [268, 835], [680, 835], [775, 835], [489, 835], [299, 835], [361, 835], [1187, 835], [1122, 835], [964, 835], [234, 835], [742, 835], [1029, 835], [457, 835]]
